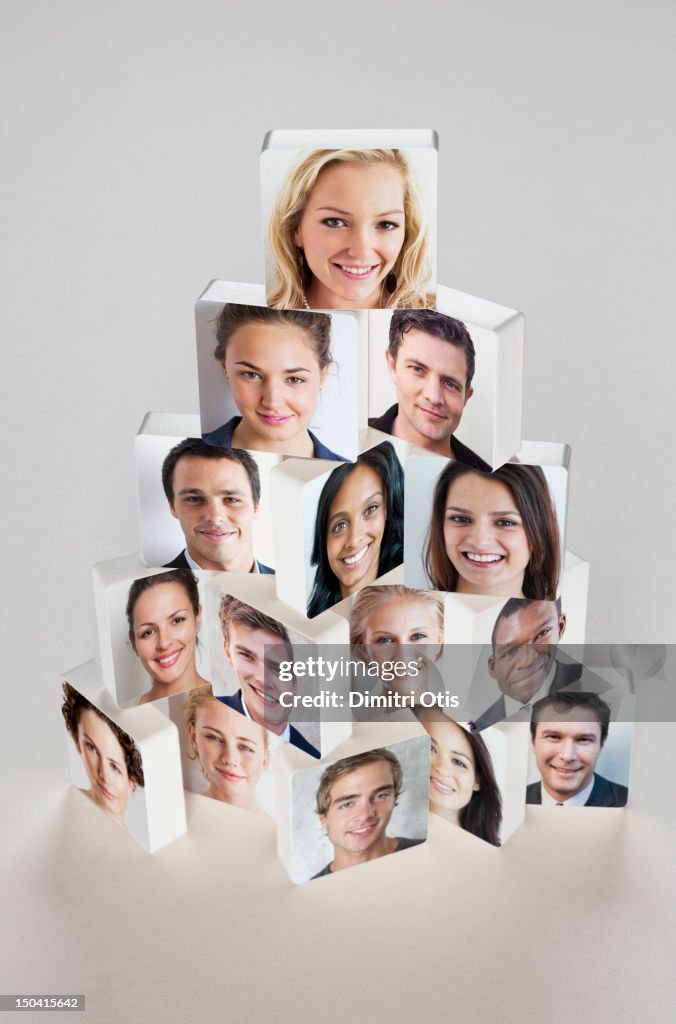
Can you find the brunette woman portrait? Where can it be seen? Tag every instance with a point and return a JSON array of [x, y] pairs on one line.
[[463, 788], [276, 363], [164, 618], [494, 534]]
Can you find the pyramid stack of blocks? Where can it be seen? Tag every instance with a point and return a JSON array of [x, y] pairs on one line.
[[353, 573]]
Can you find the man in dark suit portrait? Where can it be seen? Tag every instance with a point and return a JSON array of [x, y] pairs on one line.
[[215, 494], [569, 731], [431, 362], [523, 658], [247, 633]]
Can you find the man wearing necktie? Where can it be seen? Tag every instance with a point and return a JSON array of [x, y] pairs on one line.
[[569, 731]]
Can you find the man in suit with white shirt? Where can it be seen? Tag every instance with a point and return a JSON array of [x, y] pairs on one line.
[[215, 494], [569, 731], [255, 644]]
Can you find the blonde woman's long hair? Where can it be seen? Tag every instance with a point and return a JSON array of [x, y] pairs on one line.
[[412, 269]]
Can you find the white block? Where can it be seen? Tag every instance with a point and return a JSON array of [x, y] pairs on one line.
[[301, 845], [421, 474], [283, 149], [508, 745], [194, 778], [155, 813], [614, 762], [161, 535], [491, 420], [123, 674], [485, 775], [306, 636], [297, 486], [337, 417]]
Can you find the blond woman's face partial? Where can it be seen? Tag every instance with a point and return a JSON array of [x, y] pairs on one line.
[[231, 750]]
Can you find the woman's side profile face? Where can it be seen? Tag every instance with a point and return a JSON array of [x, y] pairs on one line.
[[453, 779], [231, 750], [355, 529], [165, 632], [352, 231], [104, 763], [485, 537], [275, 378]]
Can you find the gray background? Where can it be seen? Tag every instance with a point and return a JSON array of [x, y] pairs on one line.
[[131, 134]]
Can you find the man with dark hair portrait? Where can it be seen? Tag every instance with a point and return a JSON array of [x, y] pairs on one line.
[[523, 659], [431, 362], [215, 494], [355, 801], [569, 732]]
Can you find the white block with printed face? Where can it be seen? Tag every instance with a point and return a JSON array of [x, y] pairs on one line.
[[116, 573], [471, 619], [311, 637], [296, 486], [491, 420], [341, 408], [614, 761], [155, 814], [123, 674], [207, 308], [300, 844], [161, 534], [422, 471], [282, 149], [452, 748], [194, 778]]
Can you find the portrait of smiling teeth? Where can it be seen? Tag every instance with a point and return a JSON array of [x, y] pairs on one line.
[[357, 271]]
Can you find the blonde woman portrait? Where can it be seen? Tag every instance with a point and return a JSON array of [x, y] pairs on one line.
[[396, 623], [348, 231], [231, 749]]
